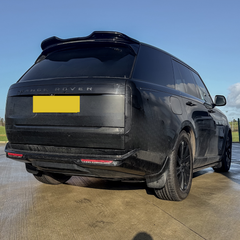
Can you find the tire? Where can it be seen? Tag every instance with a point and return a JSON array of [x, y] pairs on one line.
[[52, 178], [179, 178], [226, 157]]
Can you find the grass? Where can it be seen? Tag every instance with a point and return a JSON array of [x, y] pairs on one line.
[[234, 126], [2, 130], [3, 136], [235, 137]]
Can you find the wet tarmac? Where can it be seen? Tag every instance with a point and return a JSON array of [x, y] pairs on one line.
[[87, 208]]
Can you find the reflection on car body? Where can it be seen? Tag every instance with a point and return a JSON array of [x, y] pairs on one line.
[[143, 115]]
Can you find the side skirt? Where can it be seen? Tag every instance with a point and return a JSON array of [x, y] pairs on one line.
[[206, 166]]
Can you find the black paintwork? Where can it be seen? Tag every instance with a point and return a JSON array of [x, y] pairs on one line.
[[133, 121]]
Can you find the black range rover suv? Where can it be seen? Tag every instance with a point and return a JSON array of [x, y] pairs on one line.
[[109, 106]]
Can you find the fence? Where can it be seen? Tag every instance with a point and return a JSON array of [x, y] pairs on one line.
[[235, 126]]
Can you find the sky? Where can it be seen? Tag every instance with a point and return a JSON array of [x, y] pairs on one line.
[[203, 33]]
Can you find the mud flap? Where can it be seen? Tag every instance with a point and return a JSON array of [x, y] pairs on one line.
[[158, 180]]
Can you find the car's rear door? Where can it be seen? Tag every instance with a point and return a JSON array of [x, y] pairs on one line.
[[197, 113]]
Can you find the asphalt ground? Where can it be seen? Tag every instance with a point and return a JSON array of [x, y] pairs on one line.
[[87, 208]]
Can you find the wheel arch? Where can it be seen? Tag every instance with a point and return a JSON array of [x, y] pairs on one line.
[[229, 132], [188, 128]]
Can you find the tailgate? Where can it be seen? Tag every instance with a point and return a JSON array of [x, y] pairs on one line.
[[99, 122]]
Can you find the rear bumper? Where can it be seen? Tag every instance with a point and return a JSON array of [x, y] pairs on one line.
[[86, 137], [109, 164]]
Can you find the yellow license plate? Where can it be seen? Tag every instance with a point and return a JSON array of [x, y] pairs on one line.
[[56, 104]]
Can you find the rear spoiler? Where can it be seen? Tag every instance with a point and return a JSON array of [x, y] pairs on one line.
[[97, 36]]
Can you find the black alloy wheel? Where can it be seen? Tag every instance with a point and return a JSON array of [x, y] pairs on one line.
[[183, 165], [179, 178]]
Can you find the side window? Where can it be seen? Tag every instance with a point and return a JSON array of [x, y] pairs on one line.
[[187, 79], [154, 66], [202, 89], [178, 78]]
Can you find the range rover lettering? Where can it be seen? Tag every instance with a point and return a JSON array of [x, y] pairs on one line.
[[111, 107]]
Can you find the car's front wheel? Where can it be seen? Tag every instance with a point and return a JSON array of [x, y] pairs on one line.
[[52, 178], [179, 179]]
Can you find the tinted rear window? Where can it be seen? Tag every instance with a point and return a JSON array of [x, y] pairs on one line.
[[154, 66], [184, 80], [90, 61]]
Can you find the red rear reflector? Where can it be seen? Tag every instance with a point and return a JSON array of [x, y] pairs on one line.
[[15, 155], [96, 161]]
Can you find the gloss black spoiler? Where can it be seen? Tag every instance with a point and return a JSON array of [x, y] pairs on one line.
[[99, 36]]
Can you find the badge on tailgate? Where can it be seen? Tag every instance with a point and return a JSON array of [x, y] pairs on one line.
[[56, 104]]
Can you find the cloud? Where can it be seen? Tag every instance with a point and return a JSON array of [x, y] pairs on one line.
[[234, 96]]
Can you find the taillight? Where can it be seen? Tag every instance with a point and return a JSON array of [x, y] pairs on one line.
[[96, 161], [15, 155]]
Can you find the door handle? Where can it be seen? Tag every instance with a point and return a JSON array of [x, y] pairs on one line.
[[211, 111], [190, 104]]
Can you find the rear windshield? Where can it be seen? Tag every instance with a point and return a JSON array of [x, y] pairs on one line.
[[88, 61]]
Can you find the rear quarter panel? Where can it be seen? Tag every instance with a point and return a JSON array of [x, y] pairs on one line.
[[154, 126]]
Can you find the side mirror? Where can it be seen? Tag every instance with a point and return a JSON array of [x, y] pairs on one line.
[[220, 100]]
